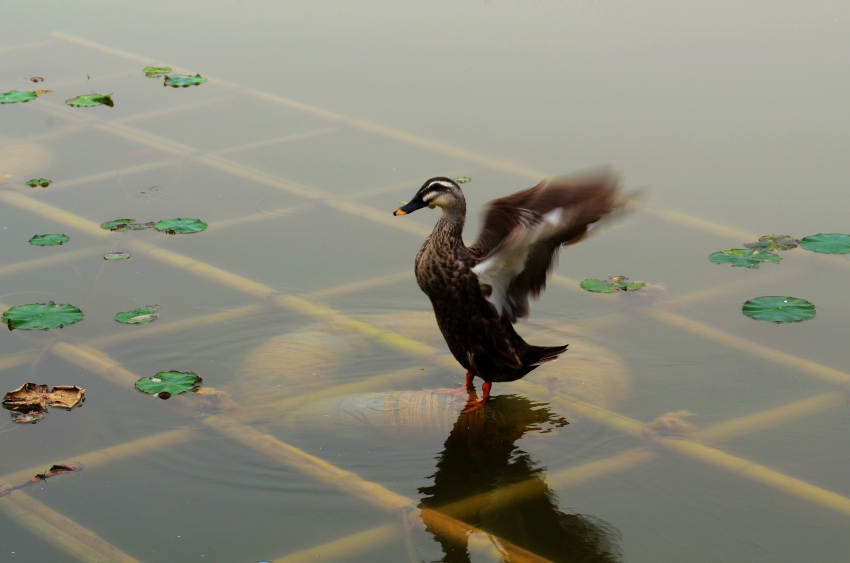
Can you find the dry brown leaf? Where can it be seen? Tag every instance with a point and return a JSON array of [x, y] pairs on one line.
[[33, 395]]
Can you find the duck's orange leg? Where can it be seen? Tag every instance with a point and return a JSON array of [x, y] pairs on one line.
[[474, 405]]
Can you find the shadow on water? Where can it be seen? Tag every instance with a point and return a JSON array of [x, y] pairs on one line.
[[480, 459]]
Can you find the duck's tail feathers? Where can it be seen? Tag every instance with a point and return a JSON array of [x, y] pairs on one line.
[[539, 355]]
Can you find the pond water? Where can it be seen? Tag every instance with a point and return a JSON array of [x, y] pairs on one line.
[[675, 428]]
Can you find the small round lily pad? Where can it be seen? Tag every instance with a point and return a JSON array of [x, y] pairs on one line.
[[41, 316], [91, 100], [612, 284], [168, 383], [744, 257], [831, 243], [139, 316], [773, 242], [49, 240], [778, 309], [116, 256], [13, 97], [184, 80], [462, 180], [156, 70], [180, 226], [43, 182]]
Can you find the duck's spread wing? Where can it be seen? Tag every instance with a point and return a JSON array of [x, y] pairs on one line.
[[518, 245]]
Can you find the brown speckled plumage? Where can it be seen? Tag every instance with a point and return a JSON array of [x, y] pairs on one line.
[[534, 223]]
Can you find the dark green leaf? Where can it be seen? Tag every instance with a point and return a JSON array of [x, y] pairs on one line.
[[91, 100], [43, 182], [13, 96], [832, 243], [777, 309], [48, 240], [41, 316], [156, 70], [116, 256], [744, 257], [139, 316], [773, 242], [168, 383], [180, 226], [184, 80]]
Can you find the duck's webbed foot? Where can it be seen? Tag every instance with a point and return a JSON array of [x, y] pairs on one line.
[[474, 404], [462, 391]]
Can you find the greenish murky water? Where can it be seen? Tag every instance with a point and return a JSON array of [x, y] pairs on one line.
[[675, 428]]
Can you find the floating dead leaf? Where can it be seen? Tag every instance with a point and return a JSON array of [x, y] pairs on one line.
[[36, 79], [52, 472], [33, 395]]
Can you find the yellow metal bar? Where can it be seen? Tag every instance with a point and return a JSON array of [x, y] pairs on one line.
[[347, 547], [697, 223], [398, 186], [277, 140], [112, 174], [161, 112], [177, 326], [17, 360], [770, 418], [25, 46], [56, 530], [760, 473], [764, 352], [54, 213], [255, 218], [60, 531], [47, 261], [357, 287], [737, 286]]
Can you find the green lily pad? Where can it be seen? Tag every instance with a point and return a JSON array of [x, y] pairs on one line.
[[125, 225], [91, 100], [462, 180], [744, 257], [776, 309], [13, 97], [156, 70], [612, 284], [168, 383], [43, 182], [180, 226], [139, 316], [41, 316], [49, 240], [184, 80], [832, 243], [116, 256], [773, 242]]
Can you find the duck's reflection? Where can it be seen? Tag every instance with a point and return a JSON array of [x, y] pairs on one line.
[[485, 480]]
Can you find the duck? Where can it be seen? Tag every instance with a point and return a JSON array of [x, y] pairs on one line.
[[479, 291]]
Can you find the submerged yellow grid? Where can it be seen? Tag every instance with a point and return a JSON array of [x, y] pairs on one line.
[[235, 424]]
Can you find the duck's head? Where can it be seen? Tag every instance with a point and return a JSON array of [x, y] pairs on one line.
[[437, 192]]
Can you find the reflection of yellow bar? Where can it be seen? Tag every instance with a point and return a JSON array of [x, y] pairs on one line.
[[348, 482], [569, 477], [770, 418], [751, 348], [347, 547], [760, 473]]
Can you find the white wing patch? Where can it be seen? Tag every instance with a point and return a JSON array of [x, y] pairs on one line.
[[508, 260]]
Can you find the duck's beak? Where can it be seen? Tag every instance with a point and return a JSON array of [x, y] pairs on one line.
[[417, 203]]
